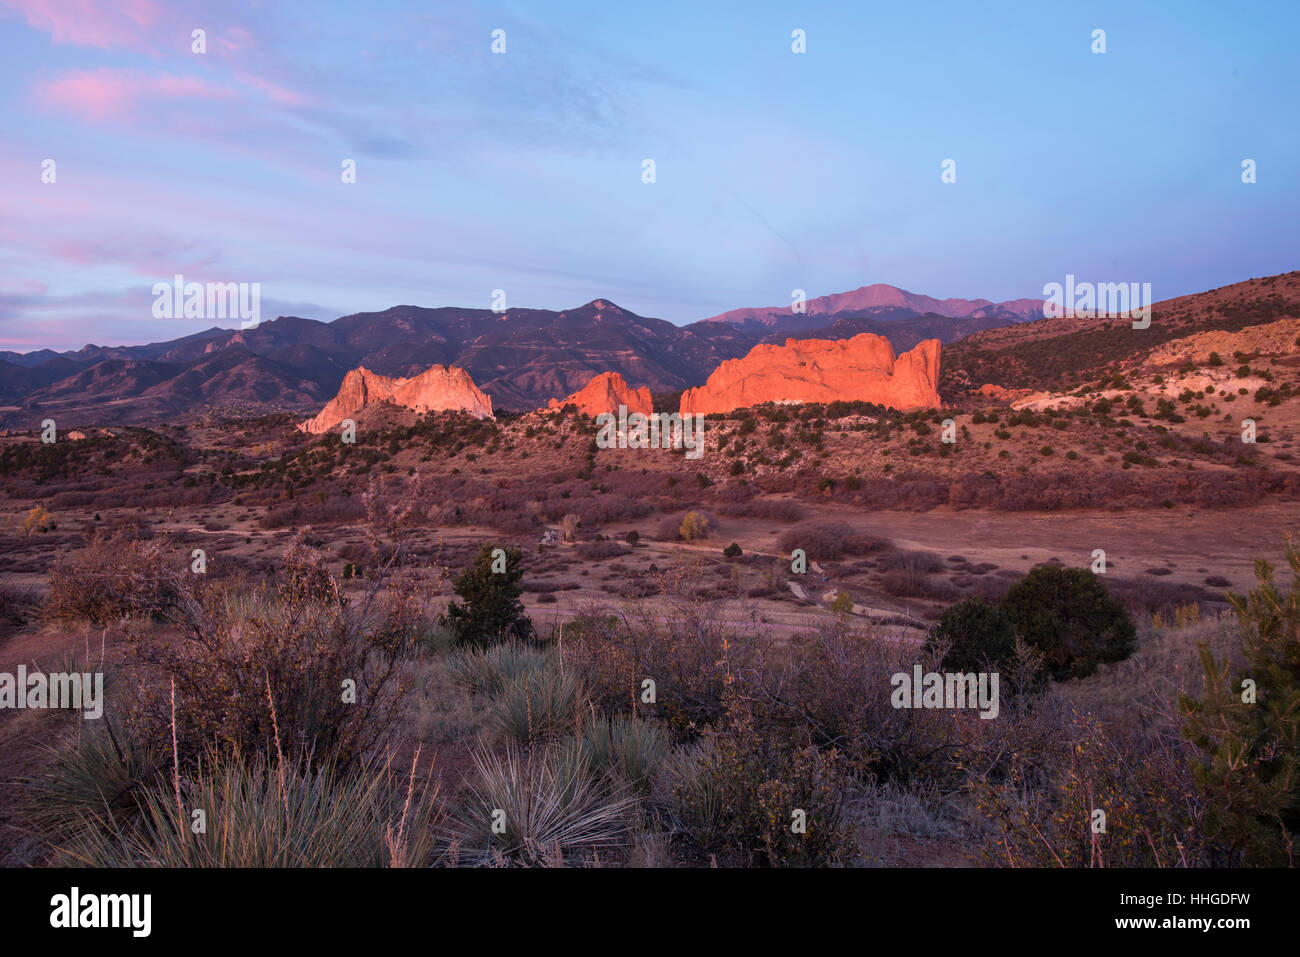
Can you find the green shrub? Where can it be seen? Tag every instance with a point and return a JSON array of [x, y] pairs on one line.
[[975, 635], [1068, 615], [731, 551], [978, 636]]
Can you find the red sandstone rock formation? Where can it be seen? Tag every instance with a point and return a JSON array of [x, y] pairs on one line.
[[994, 391], [863, 368], [440, 388], [606, 393]]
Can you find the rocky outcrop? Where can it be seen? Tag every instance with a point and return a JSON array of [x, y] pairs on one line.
[[863, 368], [1002, 394], [438, 388], [1267, 339], [606, 393]]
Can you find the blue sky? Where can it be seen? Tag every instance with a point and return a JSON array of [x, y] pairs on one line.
[[522, 171]]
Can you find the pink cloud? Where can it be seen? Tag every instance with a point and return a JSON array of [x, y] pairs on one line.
[[90, 23], [16, 286], [236, 40], [143, 25], [146, 255], [281, 96], [109, 93]]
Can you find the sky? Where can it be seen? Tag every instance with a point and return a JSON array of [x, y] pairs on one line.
[[524, 170]]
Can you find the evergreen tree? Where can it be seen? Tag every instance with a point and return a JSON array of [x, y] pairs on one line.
[[1070, 617], [1247, 729], [490, 610]]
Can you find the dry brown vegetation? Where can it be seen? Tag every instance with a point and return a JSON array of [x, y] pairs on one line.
[[736, 732]]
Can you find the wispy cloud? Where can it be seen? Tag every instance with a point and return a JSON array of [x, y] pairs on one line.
[[93, 23], [521, 171], [113, 93]]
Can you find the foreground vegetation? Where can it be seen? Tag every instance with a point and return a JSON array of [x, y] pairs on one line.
[[305, 721]]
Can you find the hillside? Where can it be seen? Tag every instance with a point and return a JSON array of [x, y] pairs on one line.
[[1063, 353]]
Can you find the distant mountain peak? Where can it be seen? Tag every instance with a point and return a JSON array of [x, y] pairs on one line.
[[599, 306], [879, 297]]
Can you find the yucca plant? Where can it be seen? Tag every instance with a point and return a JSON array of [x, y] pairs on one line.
[[437, 638], [97, 778], [571, 763], [623, 745], [261, 813], [538, 806], [536, 705], [692, 798], [486, 670]]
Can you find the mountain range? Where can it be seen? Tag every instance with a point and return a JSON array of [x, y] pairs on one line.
[[879, 301], [521, 357]]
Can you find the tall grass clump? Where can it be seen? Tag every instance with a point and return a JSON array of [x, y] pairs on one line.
[[98, 778], [630, 748], [539, 704], [266, 813], [487, 670]]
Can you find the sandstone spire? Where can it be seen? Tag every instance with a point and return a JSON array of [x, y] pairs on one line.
[[606, 393], [438, 388]]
